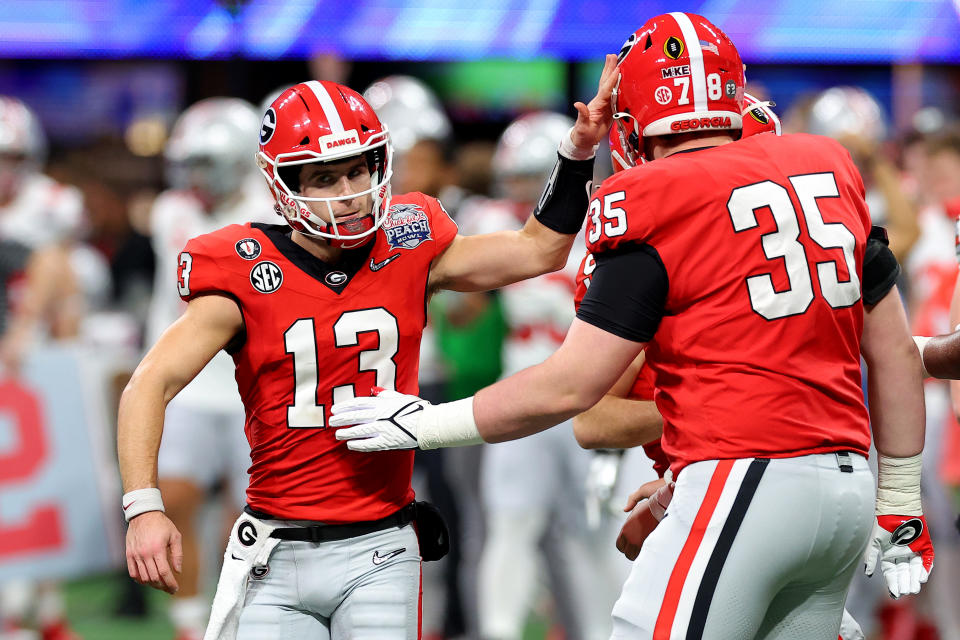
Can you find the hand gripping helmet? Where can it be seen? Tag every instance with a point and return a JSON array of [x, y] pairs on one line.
[[678, 73], [210, 145], [528, 148], [758, 117], [322, 121]]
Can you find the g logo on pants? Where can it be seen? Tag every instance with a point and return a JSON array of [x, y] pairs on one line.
[[247, 533]]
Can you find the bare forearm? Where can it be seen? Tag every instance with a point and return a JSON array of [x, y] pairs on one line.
[[556, 389], [491, 261], [618, 423], [139, 428], [526, 403]]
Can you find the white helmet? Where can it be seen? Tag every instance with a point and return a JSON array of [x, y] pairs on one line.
[[20, 132], [410, 110], [213, 145], [841, 111], [528, 146]]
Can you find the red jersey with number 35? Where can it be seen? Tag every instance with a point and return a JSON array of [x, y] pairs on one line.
[[315, 334], [762, 240]]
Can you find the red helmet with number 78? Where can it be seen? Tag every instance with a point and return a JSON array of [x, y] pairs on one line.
[[678, 73], [322, 121]]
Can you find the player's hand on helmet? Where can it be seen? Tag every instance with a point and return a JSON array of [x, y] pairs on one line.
[[388, 420], [154, 551], [902, 547], [595, 117], [647, 506]]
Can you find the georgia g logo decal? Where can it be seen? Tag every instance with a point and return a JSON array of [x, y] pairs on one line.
[[907, 532], [246, 533], [268, 125]]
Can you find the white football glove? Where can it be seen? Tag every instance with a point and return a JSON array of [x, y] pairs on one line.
[[901, 546], [600, 484], [389, 420]]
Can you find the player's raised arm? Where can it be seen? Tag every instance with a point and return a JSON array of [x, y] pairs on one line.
[[208, 325], [489, 261]]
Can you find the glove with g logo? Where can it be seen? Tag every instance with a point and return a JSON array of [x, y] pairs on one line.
[[904, 550]]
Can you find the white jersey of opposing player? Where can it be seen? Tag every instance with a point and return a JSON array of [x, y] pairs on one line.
[[176, 217], [931, 267], [42, 212], [538, 311]]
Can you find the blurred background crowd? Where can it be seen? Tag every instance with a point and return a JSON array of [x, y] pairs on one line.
[[127, 127]]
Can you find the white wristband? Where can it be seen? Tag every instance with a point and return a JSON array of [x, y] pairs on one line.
[[898, 486], [921, 342], [450, 424], [571, 152], [140, 501]]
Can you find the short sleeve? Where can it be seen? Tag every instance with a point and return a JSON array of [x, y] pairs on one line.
[[442, 225], [198, 272], [628, 293], [880, 267]]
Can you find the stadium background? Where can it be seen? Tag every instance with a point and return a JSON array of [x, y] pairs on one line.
[[107, 79]]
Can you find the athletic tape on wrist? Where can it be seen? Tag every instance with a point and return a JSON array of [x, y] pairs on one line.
[[140, 501], [450, 424], [898, 486], [572, 152]]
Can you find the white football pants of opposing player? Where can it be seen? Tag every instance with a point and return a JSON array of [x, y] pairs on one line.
[[752, 548]]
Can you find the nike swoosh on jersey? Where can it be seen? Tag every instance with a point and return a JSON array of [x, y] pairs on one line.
[[376, 266], [379, 559]]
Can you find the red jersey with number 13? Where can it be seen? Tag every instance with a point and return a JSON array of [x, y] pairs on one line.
[[762, 240], [316, 334]]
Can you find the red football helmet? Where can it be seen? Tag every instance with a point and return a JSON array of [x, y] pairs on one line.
[[322, 121], [758, 117], [678, 73]]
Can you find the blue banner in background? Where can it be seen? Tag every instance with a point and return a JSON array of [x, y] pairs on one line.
[[821, 31]]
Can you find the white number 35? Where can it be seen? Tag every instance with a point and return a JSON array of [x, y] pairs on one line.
[[614, 221]]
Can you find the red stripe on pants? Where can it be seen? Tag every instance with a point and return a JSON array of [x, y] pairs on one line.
[[671, 599]]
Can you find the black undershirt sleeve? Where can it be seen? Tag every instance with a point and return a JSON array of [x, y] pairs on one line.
[[880, 267], [627, 294]]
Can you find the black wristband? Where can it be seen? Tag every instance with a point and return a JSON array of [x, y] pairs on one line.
[[563, 205]]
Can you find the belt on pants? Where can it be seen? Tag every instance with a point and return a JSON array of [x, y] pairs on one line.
[[331, 532]]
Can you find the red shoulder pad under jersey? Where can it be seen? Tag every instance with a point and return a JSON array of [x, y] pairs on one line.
[[414, 219], [205, 262], [587, 267]]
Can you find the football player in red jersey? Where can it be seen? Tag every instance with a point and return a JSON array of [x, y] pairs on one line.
[[314, 311], [738, 265]]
